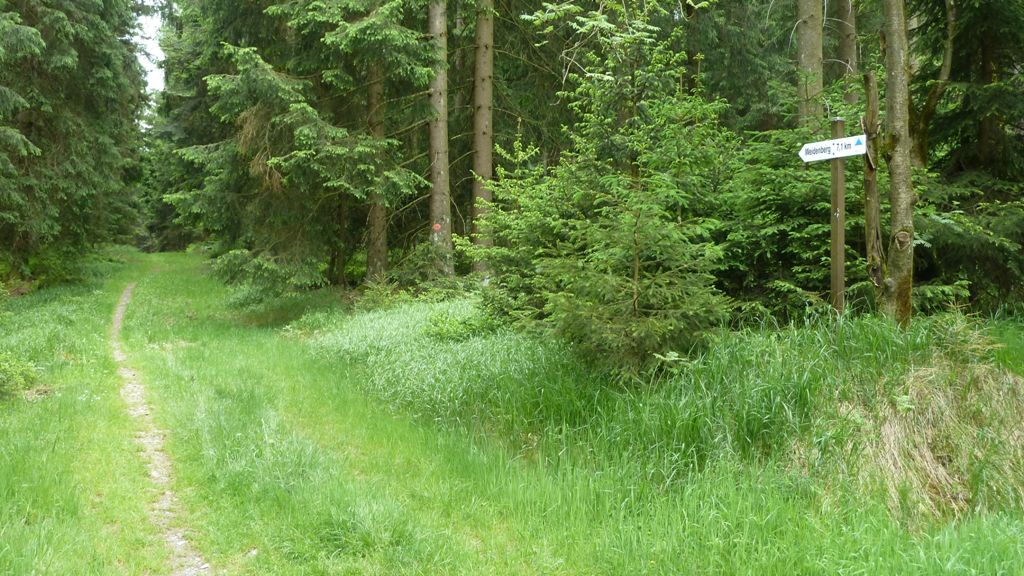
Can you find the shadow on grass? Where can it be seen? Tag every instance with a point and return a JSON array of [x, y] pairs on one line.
[[282, 310]]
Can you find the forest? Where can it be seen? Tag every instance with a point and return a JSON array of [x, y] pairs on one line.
[[512, 287]]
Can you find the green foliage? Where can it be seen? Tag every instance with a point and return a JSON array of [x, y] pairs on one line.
[[742, 51], [273, 154], [162, 175], [849, 446], [70, 98], [259, 277], [778, 234], [15, 375], [381, 294], [650, 157], [293, 160], [978, 121], [363, 32], [612, 248], [933, 298], [971, 235], [16, 43], [447, 326]]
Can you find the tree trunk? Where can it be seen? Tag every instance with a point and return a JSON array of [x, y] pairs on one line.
[[897, 286], [988, 130], [846, 17], [458, 64], [339, 256], [809, 62], [377, 225], [440, 195], [483, 102], [872, 202]]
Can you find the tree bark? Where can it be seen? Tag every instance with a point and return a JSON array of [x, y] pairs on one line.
[[440, 196], [872, 201], [377, 222], [988, 130], [846, 16], [483, 102], [898, 284], [809, 62], [339, 255]]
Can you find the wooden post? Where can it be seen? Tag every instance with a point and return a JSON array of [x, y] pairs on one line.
[[838, 222]]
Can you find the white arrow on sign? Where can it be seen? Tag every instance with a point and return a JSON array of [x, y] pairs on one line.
[[832, 149]]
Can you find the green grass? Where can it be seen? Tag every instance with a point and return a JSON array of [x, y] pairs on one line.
[[812, 422], [1011, 335], [417, 440], [72, 491], [800, 392]]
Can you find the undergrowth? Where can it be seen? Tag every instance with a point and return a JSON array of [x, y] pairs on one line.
[[15, 375], [923, 419]]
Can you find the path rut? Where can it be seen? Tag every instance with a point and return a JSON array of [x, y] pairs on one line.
[[164, 512]]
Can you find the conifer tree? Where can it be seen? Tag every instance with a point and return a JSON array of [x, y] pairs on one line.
[[70, 98]]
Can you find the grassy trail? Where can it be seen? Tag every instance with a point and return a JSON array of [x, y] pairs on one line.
[[284, 463], [285, 468], [73, 491], [164, 512]]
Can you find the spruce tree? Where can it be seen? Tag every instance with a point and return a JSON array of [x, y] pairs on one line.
[[71, 93]]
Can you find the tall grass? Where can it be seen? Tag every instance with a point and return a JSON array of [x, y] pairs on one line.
[[1011, 334], [919, 418]]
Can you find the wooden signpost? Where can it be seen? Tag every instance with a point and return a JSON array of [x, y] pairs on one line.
[[836, 150]]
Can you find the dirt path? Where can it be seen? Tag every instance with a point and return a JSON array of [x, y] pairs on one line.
[[163, 512]]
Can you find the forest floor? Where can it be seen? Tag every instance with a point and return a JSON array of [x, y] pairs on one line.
[[305, 438]]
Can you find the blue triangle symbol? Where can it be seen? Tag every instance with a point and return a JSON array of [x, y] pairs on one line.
[[859, 143]]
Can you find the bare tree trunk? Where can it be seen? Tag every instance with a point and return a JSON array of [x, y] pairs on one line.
[[377, 224], [460, 106], [809, 61], [459, 62], [483, 102], [872, 202], [440, 195], [846, 15], [898, 284]]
